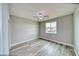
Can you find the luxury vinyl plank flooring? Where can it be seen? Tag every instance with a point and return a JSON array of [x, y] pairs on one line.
[[41, 47]]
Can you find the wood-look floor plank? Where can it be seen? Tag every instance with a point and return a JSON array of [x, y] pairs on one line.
[[42, 48]]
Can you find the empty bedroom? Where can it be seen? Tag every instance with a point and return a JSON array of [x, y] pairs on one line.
[[40, 29]]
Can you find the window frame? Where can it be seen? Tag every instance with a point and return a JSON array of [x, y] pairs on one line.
[[51, 27]]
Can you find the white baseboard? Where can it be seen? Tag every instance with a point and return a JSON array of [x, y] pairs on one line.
[[12, 45], [59, 42]]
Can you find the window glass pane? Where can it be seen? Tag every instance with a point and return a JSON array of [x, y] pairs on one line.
[[53, 24], [48, 24]]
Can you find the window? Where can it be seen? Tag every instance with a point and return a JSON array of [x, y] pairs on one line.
[[51, 27]]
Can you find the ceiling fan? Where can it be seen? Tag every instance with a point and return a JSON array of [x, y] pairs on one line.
[[41, 15]]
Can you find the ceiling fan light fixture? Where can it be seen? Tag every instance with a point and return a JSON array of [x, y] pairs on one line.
[[40, 18], [41, 15]]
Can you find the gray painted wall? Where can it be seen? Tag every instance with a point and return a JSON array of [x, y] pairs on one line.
[[4, 47], [23, 30], [64, 30], [5, 19], [76, 30], [1, 29]]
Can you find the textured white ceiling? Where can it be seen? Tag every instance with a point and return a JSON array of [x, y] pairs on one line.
[[27, 10]]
